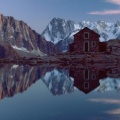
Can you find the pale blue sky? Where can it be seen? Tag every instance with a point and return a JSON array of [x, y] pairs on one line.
[[38, 13]]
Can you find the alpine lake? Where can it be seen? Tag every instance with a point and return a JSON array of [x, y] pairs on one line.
[[60, 92]]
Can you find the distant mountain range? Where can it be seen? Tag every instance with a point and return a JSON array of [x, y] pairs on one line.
[[22, 40], [60, 31], [17, 39]]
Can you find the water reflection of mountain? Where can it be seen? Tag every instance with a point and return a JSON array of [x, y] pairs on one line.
[[85, 78], [15, 79], [58, 81], [112, 82]]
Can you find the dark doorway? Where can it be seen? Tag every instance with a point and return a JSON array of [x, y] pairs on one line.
[[86, 47]]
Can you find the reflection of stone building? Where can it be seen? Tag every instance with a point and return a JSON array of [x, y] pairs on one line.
[[87, 80]]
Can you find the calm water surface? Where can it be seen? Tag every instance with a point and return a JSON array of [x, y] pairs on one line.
[[59, 93]]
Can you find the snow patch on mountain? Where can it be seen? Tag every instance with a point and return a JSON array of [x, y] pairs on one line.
[[20, 48], [32, 52]]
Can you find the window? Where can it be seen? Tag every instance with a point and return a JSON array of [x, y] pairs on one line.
[[86, 85], [93, 44], [93, 77], [86, 35]]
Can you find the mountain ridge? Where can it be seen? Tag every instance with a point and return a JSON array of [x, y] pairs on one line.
[[60, 31], [22, 38]]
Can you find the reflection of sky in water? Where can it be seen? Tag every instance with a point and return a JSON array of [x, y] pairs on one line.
[[109, 102], [38, 101]]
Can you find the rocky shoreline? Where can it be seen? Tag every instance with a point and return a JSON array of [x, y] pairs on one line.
[[66, 59]]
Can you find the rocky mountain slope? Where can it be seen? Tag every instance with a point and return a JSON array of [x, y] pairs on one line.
[[23, 39], [60, 31]]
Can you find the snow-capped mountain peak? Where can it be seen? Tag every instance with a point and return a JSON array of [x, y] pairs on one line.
[[60, 31]]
